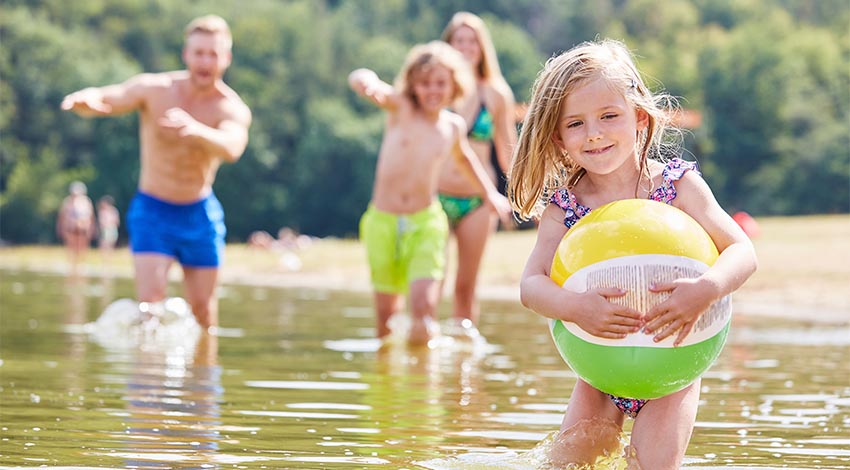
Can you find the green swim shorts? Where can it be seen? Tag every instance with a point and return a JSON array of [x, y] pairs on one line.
[[404, 247]]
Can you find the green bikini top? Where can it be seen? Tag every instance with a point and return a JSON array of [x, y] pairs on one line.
[[482, 128]]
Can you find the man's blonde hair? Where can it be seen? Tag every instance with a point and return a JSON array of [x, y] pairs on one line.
[[209, 24], [423, 57]]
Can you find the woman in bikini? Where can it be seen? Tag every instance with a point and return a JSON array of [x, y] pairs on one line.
[[489, 114]]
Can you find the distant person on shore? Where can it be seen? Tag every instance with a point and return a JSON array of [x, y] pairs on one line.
[[108, 221], [596, 134], [261, 239], [190, 122], [489, 113], [405, 229], [75, 224], [288, 243]]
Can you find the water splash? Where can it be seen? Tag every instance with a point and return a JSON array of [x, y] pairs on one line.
[[535, 458], [159, 326]]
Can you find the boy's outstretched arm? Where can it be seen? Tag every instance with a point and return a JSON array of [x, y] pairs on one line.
[[365, 82]]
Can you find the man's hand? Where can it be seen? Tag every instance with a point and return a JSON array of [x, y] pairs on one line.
[[86, 102], [178, 120]]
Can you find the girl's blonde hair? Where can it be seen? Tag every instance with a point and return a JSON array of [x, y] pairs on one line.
[[423, 58], [488, 69], [540, 166]]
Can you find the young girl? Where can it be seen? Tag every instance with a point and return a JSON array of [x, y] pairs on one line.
[[489, 112], [595, 134], [405, 229]]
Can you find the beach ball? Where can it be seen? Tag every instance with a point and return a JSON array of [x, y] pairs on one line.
[[631, 244]]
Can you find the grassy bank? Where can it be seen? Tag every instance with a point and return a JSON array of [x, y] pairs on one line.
[[804, 266]]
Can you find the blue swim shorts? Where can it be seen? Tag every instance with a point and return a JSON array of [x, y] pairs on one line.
[[191, 233]]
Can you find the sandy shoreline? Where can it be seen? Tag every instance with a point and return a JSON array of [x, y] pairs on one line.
[[804, 268], [746, 301], [798, 303]]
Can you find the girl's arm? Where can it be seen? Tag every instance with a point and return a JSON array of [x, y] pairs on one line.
[[505, 135], [366, 83], [590, 310], [471, 166], [736, 263]]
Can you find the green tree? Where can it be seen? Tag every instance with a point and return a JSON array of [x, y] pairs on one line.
[[769, 76], [776, 100], [336, 171], [43, 148]]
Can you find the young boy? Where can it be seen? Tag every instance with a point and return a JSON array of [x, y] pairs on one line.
[[405, 229]]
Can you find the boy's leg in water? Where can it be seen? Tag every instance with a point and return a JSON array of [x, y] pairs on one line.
[[386, 305], [424, 296]]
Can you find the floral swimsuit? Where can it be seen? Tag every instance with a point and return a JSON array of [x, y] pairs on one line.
[[573, 211]]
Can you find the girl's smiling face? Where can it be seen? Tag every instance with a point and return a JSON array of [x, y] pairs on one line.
[[598, 128]]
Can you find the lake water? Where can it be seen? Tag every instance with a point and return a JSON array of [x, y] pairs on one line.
[[295, 380]]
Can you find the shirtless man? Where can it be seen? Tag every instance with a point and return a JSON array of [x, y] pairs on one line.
[[190, 121], [405, 229]]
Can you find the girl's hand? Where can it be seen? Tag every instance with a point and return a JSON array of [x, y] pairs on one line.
[[689, 298], [599, 316], [501, 206]]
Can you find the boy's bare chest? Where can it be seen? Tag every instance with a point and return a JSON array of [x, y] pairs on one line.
[[423, 141]]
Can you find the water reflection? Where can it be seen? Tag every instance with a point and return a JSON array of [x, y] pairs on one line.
[[173, 405], [75, 288], [303, 384], [172, 410], [171, 414]]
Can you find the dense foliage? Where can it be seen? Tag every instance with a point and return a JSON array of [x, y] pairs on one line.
[[770, 77]]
